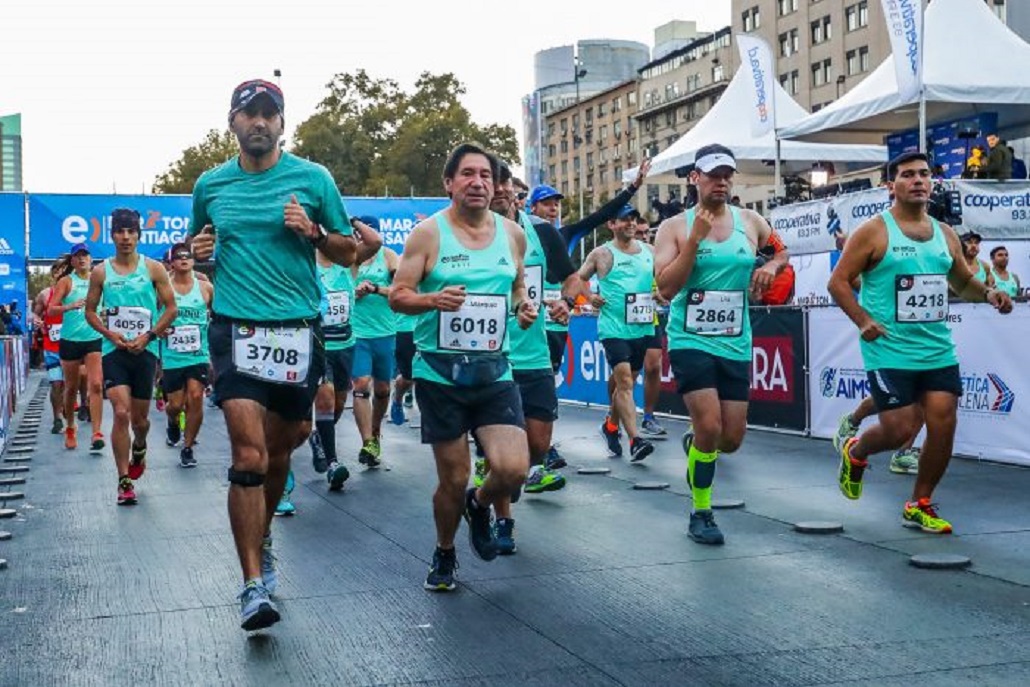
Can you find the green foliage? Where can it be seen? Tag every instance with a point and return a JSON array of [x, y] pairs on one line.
[[216, 148], [39, 279]]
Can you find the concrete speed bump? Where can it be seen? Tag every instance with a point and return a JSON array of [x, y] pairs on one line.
[[940, 561], [7, 513], [593, 471], [11, 496], [4, 536], [818, 527], [3, 564], [725, 504], [650, 486], [11, 481], [11, 469]]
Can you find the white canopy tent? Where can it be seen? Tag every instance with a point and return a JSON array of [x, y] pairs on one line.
[[729, 123], [972, 63]]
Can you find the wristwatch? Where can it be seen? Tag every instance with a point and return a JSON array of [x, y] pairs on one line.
[[322, 237], [570, 301]]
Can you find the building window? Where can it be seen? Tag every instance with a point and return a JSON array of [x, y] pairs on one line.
[[565, 188], [669, 141], [821, 30], [693, 82], [617, 173], [600, 110], [648, 124], [790, 82], [822, 73], [647, 99], [787, 6], [617, 128], [602, 134], [565, 145], [790, 43], [616, 152], [575, 122], [589, 116], [718, 73], [575, 165], [564, 127], [551, 150], [564, 168], [602, 176], [550, 130], [617, 105], [631, 98], [552, 175], [858, 61], [751, 19], [857, 16]]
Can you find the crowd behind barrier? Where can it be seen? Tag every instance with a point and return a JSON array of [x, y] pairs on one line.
[[807, 371], [14, 375]]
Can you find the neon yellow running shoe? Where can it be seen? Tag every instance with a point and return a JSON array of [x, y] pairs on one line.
[[480, 474], [851, 471], [923, 514]]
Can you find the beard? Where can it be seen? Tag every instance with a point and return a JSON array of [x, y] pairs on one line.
[[257, 145]]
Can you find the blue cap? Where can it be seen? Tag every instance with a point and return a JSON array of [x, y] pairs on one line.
[[369, 220], [626, 211], [79, 248], [541, 193]]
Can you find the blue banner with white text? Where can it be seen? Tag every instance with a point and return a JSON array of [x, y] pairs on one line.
[[13, 278]]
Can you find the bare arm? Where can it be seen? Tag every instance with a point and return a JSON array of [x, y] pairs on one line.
[[96, 291], [165, 297], [207, 292], [61, 290], [963, 282], [675, 252], [763, 277], [863, 250], [369, 244], [340, 249], [522, 305], [420, 254]]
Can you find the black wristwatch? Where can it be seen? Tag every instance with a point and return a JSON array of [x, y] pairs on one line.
[[570, 301], [322, 237]]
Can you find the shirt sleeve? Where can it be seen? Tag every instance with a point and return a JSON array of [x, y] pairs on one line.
[[559, 265], [334, 217], [198, 215], [607, 211]]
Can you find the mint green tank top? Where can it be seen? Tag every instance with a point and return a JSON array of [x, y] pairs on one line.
[[130, 303], [710, 313], [1008, 286], [907, 293], [481, 325], [405, 323], [372, 316], [337, 305], [74, 326], [529, 349], [981, 271], [628, 312], [186, 341], [552, 292]]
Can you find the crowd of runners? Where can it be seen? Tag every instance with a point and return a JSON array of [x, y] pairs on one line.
[[307, 305]]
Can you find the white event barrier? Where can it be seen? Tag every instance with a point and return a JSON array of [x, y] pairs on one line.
[[994, 409]]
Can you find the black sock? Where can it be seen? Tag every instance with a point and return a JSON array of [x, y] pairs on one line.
[[327, 433]]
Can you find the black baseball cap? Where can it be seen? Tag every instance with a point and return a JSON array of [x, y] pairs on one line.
[[971, 236], [247, 91]]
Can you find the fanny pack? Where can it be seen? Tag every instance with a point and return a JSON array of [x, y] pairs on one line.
[[338, 333], [467, 370]]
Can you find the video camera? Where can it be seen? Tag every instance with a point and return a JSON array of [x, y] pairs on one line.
[[945, 205]]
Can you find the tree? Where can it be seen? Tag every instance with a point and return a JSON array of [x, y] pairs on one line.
[[181, 175]]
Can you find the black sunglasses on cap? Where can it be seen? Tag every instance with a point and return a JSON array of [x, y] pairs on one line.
[[182, 256], [522, 195]]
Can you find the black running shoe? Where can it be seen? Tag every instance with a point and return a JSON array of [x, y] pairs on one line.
[[639, 449], [703, 529], [441, 572], [186, 458], [612, 438], [318, 457], [173, 434], [481, 528], [83, 414]]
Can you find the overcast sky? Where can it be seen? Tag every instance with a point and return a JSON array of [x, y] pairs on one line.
[[111, 91]]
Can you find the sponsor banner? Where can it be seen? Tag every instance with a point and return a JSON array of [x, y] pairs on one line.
[[811, 274], [804, 227], [7, 390], [779, 396], [995, 403], [58, 221], [13, 278], [998, 210], [585, 370], [757, 59], [852, 209], [905, 28]]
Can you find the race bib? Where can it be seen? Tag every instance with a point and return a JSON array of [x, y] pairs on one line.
[[128, 321], [53, 333], [639, 308], [921, 297], [338, 313], [550, 295], [184, 338], [479, 325], [535, 284], [273, 354], [715, 313]]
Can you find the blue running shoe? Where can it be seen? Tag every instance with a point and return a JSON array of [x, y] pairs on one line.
[[397, 413], [269, 575], [441, 571], [481, 528], [336, 476], [286, 506], [256, 610], [554, 460], [504, 532]]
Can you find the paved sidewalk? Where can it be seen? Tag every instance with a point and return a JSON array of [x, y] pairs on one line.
[[606, 588]]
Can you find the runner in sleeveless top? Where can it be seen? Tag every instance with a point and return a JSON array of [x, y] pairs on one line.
[[625, 324], [649, 426], [1003, 279], [462, 270], [52, 339], [971, 253], [131, 287], [79, 347], [705, 259], [906, 261], [184, 354], [374, 329], [404, 356], [268, 211]]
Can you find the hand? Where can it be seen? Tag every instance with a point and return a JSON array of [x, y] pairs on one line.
[[77, 305], [558, 311], [138, 345], [296, 219], [702, 227], [596, 301], [526, 315], [119, 341], [450, 299], [872, 331], [203, 244], [1000, 300], [761, 279], [645, 167], [364, 288]]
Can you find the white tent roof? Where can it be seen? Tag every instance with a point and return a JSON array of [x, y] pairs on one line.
[[729, 123], [970, 58]]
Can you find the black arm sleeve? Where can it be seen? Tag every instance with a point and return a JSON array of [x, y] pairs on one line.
[[559, 265], [606, 212]]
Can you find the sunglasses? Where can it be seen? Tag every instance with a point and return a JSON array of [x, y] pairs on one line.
[[521, 195], [182, 256]]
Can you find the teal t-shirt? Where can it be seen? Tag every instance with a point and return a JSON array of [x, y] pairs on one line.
[[373, 317], [628, 311], [74, 326], [186, 341], [130, 303], [264, 271], [336, 306], [907, 293], [1009, 286], [529, 350]]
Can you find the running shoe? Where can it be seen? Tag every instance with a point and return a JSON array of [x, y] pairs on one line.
[[541, 479], [172, 434], [845, 431], [397, 412], [703, 529], [182, 420], [96, 446], [905, 462], [613, 439], [650, 428], [160, 404], [554, 460], [441, 571], [256, 609], [126, 492], [369, 453], [83, 413], [923, 514], [285, 507], [851, 471], [138, 461], [57, 427], [504, 533], [481, 528], [336, 476], [269, 574], [639, 449], [479, 476], [70, 440], [409, 400], [186, 459], [319, 460]]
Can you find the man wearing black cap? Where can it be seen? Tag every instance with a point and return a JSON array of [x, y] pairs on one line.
[[268, 211], [704, 261]]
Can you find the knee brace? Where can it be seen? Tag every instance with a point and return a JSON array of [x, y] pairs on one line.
[[246, 479], [361, 394]]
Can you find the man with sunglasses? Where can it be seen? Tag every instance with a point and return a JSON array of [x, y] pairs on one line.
[[133, 288], [268, 211], [184, 353], [521, 194], [704, 262]]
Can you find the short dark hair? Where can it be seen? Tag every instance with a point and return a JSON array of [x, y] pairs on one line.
[[996, 249], [713, 149], [519, 183], [450, 168], [911, 156], [503, 172], [176, 247], [125, 218]]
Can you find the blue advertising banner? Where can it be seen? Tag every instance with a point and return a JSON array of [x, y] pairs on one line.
[[946, 148], [57, 221], [585, 369], [13, 278]]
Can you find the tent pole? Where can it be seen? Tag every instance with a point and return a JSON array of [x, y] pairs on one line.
[[922, 121], [776, 167]]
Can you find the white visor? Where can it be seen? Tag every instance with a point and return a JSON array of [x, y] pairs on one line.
[[713, 160]]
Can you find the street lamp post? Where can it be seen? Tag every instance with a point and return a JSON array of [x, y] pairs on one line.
[[578, 74]]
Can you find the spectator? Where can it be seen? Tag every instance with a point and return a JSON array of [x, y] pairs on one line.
[[5, 319], [735, 201], [14, 325], [1003, 279], [1018, 166], [999, 160]]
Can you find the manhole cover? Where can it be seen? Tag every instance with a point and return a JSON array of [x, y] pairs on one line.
[[11, 496], [818, 527], [649, 486], [593, 471], [940, 561], [724, 504]]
